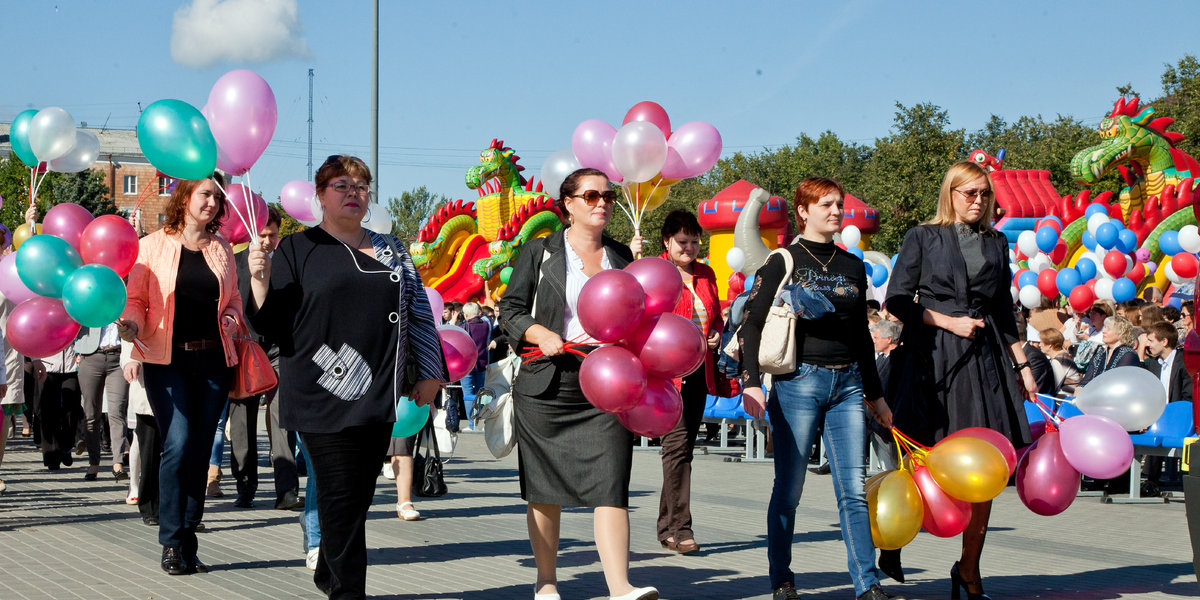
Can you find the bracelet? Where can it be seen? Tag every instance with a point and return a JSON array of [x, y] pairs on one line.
[[1019, 366]]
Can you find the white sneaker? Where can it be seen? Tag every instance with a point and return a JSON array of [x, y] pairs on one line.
[[408, 514], [310, 561], [387, 470]]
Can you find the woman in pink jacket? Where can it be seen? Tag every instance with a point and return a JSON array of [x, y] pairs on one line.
[[182, 311]]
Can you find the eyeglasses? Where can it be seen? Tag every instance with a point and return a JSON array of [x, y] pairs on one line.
[[982, 194], [591, 197], [342, 187]]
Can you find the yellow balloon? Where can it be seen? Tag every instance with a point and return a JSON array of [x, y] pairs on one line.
[[895, 509], [20, 234], [968, 468], [652, 193]]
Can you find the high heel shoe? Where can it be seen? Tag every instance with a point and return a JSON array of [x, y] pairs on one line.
[[956, 582], [889, 564]]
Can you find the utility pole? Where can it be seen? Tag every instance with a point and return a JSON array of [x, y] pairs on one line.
[[310, 95], [375, 98]]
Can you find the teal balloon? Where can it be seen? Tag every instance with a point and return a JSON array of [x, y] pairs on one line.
[[94, 295], [176, 139], [505, 274], [18, 135], [410, 418], [45, 262]]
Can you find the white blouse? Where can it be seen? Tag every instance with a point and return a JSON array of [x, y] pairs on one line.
[[575, 280]]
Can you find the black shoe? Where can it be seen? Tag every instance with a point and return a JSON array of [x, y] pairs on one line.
[[1150, 489], [172, 561], [151, 521], [889, 564], [199, 527], [956, 582], [51, 460], [243, 503], [66, 458], [290, 501], [121, 475], [91, 476], [877, 593], [786, 591], [821, 470], [195, 566]]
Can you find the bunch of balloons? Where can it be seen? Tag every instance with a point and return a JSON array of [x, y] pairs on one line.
[[49, 136], [460, 353], [69, 276], [631, 309], [1181, 246], [934, 487]]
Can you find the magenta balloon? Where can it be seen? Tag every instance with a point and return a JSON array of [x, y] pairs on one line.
[[592, 145], [611, 305], [436, 304], [692, 150], [669, 345], [1037, 429], [111, 241], [658, 413], [1046, 482], [296, 199], [650, 112], [40, 327], [1096, 446], [232, 227], [661, 282], [994, 438], [612, 379], [459, 350], [67, 221], [242, 115], [10, 283]]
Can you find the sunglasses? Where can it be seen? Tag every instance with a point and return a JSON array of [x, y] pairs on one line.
[[591, 197]]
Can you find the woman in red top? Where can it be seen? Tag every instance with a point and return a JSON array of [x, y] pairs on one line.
[[681, 237]]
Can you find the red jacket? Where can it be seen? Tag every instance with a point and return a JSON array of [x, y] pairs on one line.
[[704, 280]]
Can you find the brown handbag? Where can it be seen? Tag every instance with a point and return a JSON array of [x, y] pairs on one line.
[[253, 374]]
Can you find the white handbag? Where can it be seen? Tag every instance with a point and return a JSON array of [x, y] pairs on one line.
[[777, 346], [494, 406]]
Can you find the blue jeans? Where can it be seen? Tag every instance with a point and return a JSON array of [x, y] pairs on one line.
[[800, 401], [309, 523], [471, 384], [218, 443], [187, 396]]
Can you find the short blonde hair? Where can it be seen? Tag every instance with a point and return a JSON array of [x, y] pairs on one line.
[[1123, 328], [960, 173]]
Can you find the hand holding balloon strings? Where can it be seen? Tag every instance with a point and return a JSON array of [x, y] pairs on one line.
[[569, 346]]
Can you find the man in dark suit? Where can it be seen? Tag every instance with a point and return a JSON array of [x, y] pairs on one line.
[[1167, 364], [1043, 373]]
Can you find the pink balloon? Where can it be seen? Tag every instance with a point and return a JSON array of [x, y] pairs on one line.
[[592, 145], [436, 304], [459, 350], [612, 379], [296, 199], [40, 327], [110, 241], [242, 114], [1046, 482], [945, 515], [610, 305], [658, 413], [10, 283], [691, 150], [67, 221], [232, 226], [660, 280], [669, 345], [994, 438], [650, 112], [1142, 255], [1095, 445]]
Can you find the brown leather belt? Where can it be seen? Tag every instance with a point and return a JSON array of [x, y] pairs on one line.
[[199, 345]]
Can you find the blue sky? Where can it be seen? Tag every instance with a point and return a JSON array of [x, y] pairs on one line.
[[453, 75]]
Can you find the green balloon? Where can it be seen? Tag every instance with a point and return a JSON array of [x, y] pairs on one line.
[[94, 295], [505, 273], [410, 418], [176, 139], [18, 135], [45, 262]]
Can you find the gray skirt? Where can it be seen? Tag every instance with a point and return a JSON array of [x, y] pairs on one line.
[[569, 452]]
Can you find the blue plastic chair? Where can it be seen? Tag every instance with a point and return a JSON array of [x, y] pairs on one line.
[[728, 408], [709, 404], [1170, 429], [1032, 413]]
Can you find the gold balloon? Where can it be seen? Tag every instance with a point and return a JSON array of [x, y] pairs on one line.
[[968, 468], [652, 193], [20, 234], [895, 508]]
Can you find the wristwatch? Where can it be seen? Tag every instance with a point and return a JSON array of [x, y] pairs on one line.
[[1017, 367]]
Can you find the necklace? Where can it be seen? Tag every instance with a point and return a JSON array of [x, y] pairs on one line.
[[357, 244], [824, 265]]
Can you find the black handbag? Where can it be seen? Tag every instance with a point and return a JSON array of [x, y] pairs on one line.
[[428, 481]]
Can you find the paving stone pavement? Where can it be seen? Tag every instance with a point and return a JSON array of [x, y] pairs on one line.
[[62, 537]]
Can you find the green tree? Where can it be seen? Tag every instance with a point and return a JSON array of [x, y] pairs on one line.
[[289, 224], [412, 210], [85, 188], [1181, 101]]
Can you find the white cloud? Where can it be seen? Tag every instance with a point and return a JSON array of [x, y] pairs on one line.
[[207, 32]]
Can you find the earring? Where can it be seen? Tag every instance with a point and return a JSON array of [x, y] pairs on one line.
[[367, 217]]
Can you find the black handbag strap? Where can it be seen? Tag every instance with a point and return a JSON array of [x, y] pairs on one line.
[[432, 446]]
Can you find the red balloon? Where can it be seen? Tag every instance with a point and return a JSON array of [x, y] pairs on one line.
[[994, 438], [1047, 222], [1137, 273], [611, 305], [233, 228], [1046, 283], [1185, 265], [1091, 286], [1114, 263], [658, 413], [40, 327], [652, 113], [111, 241], [1059, 252], [459, 350], [661, 281], [669, 345], [1046, 482], [612, 379], [945, 515], [67, 221], [1082, 297]]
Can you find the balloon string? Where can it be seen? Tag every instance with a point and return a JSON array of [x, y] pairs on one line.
[[1052, 419], [250, 208], [145, 194], [627, 210], [32, 175], [909, 441], [237, 211]]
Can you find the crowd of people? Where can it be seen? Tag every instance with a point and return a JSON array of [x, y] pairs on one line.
[[944, 351]]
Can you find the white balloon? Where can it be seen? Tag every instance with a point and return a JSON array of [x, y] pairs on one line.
[[639, 150], [1103, 289], [1039, 263], [1030, 296], [1132, 396], [1014, 267], [736, 259], [558, 165], [377, 219], [1095, 221], [1012, 256], [79, 157], [51, 133], [1129, 262], [1027, 243], [1171, 276], [1189, 238], [1016, 294], [851, 235]]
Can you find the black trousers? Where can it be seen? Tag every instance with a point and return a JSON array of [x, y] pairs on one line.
[[59, 413], [148, 462], [675, 502], [283, 451], [346, 465], [243, 445]]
